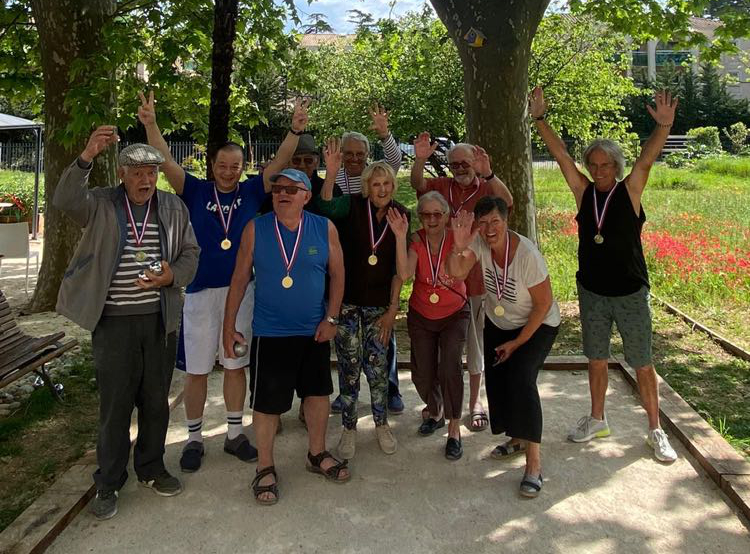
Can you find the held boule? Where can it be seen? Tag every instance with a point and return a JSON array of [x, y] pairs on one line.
[[240, 349]]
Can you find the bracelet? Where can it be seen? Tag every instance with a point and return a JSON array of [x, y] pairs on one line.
[[297, 133], [490, 176], [664, 125], [541, 117]]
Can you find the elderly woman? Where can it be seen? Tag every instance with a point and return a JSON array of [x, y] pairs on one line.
[[438, 316], [521, 323], [371, 293]]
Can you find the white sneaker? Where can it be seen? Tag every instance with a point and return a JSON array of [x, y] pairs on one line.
[[386, 439], [347, 443], [589, 428], [663, 451]]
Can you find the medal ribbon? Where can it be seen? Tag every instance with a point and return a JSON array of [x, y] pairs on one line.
[[288, 263], [461, 205], [373, 244], [499, 290], [136, 237], [600, 220], [346, 180], [434, 271], [225, 223]]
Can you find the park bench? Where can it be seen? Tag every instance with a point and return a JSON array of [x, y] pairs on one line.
[[21, 354], [675, 143]]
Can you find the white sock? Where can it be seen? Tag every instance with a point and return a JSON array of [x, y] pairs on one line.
[[234, 424], [195, 429]]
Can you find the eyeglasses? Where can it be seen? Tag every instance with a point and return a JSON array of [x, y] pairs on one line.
[[431, 215], [459, 165], [307, 160], [357, 155], [291, 190]]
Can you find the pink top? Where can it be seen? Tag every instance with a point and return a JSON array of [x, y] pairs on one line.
[[451, 292]]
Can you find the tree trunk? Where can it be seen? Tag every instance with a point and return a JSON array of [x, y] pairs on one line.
[[496, 89], [222, 56], [68, 30]]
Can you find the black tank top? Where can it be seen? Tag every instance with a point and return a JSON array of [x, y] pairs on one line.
[[616, 267]]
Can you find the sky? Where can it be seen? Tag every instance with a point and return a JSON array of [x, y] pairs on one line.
[[336, 10]]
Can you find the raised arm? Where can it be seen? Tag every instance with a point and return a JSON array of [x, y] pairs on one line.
[[483, 168], [335, 207], [380, 125], [663, 114], [576, 180], [240, 278], [406, 261], [72, 195], [172, 170], [289, 145], [462, 258], [423, 149]]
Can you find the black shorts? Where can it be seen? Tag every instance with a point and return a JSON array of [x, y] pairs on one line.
[[281, 365]]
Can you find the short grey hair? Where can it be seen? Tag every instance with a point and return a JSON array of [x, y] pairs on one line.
[[433, 195], [611, 149], [354, 135], [465, 146]]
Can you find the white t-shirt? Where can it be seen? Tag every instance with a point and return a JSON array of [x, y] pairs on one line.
[[527, 269]]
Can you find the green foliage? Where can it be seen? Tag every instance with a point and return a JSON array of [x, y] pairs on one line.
[[17, 187], [21, 87], [707, 137], [737, 135]]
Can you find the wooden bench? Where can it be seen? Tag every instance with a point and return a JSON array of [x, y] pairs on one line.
[[675, 143], [21, 354]]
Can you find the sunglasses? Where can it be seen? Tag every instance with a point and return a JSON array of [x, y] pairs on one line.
[[307, 160], [459, 165], [291, 190], [431, 215]]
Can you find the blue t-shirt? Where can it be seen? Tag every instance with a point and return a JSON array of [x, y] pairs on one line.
[[215, 265], [298, 310]]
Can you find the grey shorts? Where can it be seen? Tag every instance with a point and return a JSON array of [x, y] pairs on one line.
[[631, 313]]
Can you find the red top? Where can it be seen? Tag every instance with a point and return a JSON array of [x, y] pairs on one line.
[[451, 293], [465, 199]]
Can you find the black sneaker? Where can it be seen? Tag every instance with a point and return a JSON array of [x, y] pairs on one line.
[[430, 425], [163, 484], [192, 454], [104, 505], [240, 447]]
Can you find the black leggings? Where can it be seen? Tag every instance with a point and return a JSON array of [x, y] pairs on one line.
[[512, 394]]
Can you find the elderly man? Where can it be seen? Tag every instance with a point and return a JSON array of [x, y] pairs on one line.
[[291, 251], [472, 179], [613, 283], [115, 288], [219, 211]]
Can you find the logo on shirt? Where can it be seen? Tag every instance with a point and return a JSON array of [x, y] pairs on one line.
[[510, 287], [211, 206], [312, 251]]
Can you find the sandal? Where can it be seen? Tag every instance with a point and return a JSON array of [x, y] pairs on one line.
[[507, 450], [479, 421], [531, 485], [259, 489], [333, 473]]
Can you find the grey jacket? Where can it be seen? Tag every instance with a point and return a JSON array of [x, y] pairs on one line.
[[101, 213]]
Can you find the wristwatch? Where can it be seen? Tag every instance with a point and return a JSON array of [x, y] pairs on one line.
[[298, 133], [333, 320]]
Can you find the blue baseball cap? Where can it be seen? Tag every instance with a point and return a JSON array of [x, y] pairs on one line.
[[295, 175]]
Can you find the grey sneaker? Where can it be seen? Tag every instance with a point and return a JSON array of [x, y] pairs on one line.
[[163, 484], [589, 428], [663, 451], [386, 439], [104, 505], [347, 443]]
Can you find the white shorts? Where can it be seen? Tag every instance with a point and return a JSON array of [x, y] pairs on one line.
[[202, 324], [475, 336]]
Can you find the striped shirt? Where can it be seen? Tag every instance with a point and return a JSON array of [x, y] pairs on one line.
[[124, 297], [353, 185]]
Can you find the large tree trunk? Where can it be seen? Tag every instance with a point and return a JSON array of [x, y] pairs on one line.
[[222, 57], [68, 30], [496, 88]]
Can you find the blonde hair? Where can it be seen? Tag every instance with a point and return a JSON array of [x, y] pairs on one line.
[[372, 169]]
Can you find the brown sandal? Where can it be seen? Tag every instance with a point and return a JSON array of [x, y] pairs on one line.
[[333, 473], [259, 489]]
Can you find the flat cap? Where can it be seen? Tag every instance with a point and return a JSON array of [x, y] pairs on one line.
[[140, 154]]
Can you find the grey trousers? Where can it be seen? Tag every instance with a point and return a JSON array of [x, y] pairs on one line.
[[134, 360]]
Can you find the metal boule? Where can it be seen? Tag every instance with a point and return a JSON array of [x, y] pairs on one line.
[[240, 349]]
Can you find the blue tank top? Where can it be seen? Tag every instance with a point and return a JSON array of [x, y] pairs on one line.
[[296, 311]]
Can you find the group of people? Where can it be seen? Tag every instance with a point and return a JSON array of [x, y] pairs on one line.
[[327, 261]]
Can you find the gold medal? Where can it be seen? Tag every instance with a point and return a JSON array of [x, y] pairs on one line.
[[372, 260], [499, 310], [287, 282], [226, 244], [140, 256], [598, 239], [434, 298]]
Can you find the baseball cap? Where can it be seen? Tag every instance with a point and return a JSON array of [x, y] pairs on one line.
[[140, 154], [293, 174]]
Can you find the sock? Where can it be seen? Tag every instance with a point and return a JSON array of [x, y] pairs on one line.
[[234, 424], [195, 427]]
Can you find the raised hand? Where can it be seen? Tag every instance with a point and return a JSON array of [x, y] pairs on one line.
[[481, 163], [102, 137], [398, 222], [423, 149], [332, 155], [300, 117], [537, 104], [666, 105], [379, 120], [462, 233], [147, 111]]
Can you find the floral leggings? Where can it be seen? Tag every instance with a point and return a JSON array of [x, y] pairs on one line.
[[358, 348]]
